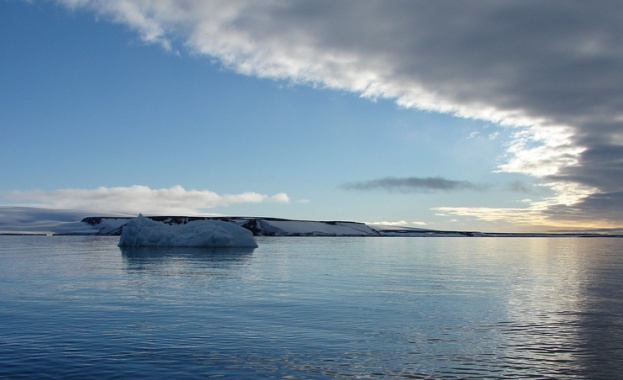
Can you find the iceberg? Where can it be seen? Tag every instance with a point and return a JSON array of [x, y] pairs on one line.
[[144, 232]]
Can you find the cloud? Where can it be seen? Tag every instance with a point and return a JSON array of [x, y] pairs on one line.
[[605, 208], [518, 187], [572, 209], [551, 69], [413, 185], [528, 216], [137, 199]]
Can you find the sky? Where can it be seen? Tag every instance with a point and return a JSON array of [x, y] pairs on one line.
[[501, 116]]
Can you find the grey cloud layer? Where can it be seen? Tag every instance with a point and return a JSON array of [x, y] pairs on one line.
[[413, 185], [543, 63]]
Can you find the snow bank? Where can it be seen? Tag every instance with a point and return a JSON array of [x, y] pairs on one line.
[[143, 232], [310, 228]]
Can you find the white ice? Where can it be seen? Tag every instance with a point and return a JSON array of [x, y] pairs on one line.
[[144, 232]]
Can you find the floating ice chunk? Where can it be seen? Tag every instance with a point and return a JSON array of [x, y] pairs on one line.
[[144, 232]]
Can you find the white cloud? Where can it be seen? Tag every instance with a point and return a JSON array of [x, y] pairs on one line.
[[137, 199], [542, 152], [490, 214]]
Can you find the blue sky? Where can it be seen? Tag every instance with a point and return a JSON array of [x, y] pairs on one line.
[[163, 108]]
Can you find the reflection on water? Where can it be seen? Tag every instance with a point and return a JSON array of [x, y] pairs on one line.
[[322, 308], [164, 258], [545, 294], [162, 275]]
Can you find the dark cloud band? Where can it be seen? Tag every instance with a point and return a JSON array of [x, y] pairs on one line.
[[413, 185]]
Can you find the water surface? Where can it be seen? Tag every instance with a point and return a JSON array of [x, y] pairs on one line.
[[320, 308]]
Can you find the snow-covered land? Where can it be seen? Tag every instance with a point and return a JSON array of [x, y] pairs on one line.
[[144, 232], [283, 227], [287, 227], [25, 220], [32, 220], [258, 226]]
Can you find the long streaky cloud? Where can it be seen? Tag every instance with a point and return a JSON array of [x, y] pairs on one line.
[[551, 69], [413, 185], [137, 199]]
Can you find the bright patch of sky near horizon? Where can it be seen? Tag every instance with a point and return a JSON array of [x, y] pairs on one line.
[[86, 104]]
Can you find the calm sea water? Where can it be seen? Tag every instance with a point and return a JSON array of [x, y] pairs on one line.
[[318, 308]]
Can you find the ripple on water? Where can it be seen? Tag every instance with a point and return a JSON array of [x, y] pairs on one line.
[[323, 308]]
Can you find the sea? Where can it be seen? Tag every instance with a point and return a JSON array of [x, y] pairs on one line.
[[80, 307]]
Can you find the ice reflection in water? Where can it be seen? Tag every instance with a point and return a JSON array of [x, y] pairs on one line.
[[183, 261]]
